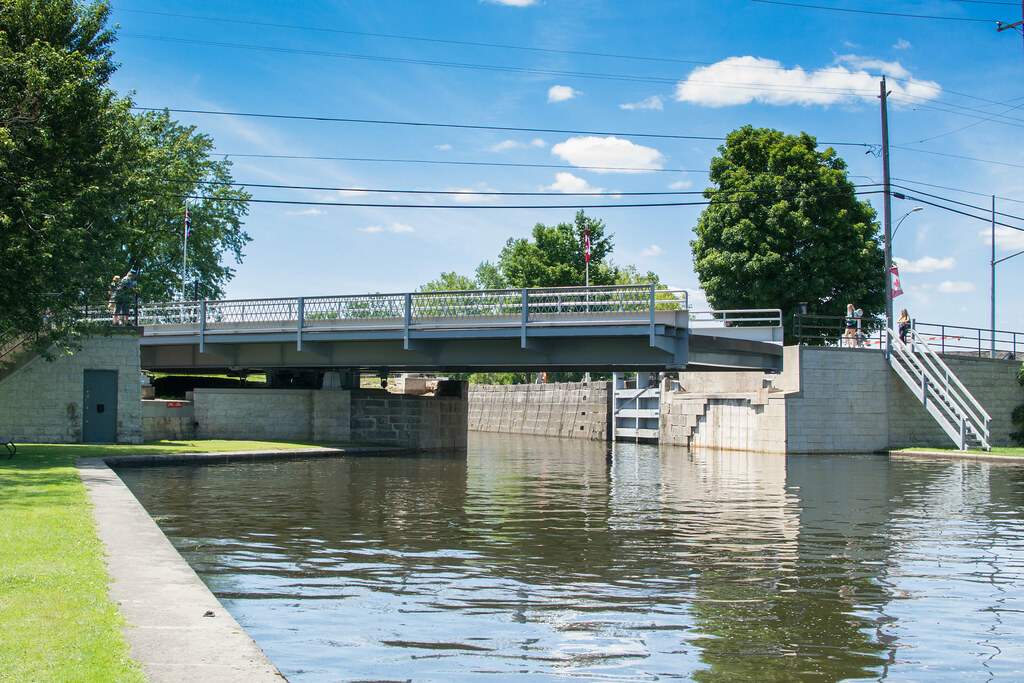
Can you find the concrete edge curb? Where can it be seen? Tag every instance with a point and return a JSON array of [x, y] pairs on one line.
[[177, 629], [986, 457]]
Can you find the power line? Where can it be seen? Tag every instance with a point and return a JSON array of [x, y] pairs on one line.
[[465, 163], [884, 14], [494, 193], [957, 189], [959, 203], [956, 156], [292, 202], [461, 126]]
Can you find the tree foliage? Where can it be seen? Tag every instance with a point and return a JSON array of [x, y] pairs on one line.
[[785, 226], [88, 190], [62, 163], [555, 258], [1017, 416], [175, 163]]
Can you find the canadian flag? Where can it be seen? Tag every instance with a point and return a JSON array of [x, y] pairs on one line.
[[895, 277], [586, 245]]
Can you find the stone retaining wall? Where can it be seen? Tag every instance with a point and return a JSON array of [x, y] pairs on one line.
[[569, 410], [43, 400], [420, 422]]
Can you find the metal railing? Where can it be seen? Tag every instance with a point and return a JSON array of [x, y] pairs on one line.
[[753, 317], [510, 306], [830, 330], [974, 341], [951, 404]]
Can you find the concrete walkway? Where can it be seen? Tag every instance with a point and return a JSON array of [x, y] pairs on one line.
[[163, 599], [961, 455]]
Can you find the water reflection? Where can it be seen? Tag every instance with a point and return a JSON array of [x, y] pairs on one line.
[[546, 558]]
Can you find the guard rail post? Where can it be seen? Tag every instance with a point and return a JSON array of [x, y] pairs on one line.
[[524, 304], [202, 325], [653, 290], [300, 313], [407, 317]]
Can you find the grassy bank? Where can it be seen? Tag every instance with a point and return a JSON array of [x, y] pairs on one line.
[[56, 623]]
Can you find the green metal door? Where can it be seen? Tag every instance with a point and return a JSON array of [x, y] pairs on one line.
[[99, 411]]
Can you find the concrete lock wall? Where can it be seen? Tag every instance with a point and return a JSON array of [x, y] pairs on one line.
[[43, 400], [571, 410], [420, 422], [273, 414], [827, 400]]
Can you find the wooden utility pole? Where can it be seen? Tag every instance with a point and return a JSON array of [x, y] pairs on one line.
[[886, 204], [1016, 25]]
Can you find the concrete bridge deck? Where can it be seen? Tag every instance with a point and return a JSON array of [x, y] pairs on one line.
[[560, 329]]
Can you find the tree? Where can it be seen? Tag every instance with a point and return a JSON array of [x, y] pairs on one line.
[[1017, 416], [784, 226], [174, 164], [554, 258], [449, 282], [62, 167]]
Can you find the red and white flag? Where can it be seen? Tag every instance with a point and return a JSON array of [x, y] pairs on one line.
[[586, 245], [895, 277], [188, 223]]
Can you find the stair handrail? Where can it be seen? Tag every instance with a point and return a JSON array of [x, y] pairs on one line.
[[961, 404]]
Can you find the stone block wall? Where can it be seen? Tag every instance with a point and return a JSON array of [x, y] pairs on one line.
[[273, 414], [420, 422], [168, 420], [569, 410], [754, 421], [842, 404], [43, 400]]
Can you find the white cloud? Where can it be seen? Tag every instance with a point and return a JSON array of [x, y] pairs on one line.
[[901, 44], [925, 264], [506, 145], [652, 102], [653, 250], [681, 185], [444, 148], [620, 156], [394, 227], [307, 212], [1007, 239], [741, 80], [561, 93], [511, 3], [568, 183], [955, 287]]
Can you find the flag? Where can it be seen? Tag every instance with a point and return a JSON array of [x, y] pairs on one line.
[[895, 277], [586, 245], [188, 223]]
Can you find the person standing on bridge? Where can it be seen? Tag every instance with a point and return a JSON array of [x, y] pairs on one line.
[[904, 325], [850, 333]]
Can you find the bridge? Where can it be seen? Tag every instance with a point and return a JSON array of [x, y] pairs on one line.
[[600, 329]]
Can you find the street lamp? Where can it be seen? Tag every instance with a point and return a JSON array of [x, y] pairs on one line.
[[916, 208]]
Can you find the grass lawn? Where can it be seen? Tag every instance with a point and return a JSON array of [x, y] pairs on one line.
[[56, 623], [1017, 452]]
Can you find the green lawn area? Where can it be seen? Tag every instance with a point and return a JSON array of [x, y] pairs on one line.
[[56, 623], [1016, 452]]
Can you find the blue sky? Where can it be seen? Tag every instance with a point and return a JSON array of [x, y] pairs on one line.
[[615, 69]]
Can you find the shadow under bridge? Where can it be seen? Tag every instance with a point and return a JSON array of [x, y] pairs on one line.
[[558, 329]]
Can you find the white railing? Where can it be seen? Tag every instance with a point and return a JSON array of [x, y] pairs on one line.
[[944, 396], [512, 306]]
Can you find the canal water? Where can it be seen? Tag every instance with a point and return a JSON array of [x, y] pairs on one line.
[[548, 559]]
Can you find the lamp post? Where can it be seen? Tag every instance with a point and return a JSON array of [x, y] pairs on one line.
[[888, 266], [916, 208]]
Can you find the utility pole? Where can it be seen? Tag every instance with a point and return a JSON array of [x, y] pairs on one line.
[[1019, 25], [993, 277], [886, 204]]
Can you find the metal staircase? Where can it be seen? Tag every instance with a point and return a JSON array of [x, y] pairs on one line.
[[944, 396]]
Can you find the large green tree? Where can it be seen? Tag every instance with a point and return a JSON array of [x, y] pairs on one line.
[[554, 257], [175, 166], [783, 226], [62, 167]]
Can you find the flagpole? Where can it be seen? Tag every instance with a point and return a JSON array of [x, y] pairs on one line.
[[184, 254]]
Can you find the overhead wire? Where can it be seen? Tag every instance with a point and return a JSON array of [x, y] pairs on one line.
[[874, 12]]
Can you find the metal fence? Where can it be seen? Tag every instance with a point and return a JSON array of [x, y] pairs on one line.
[[831, 330], [562, 304], [870, 333]]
